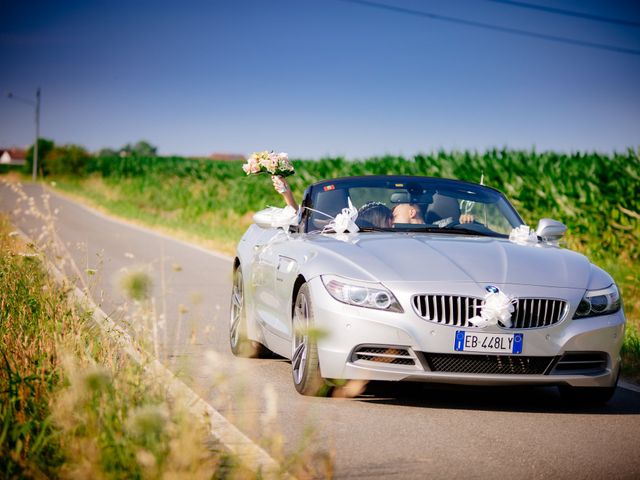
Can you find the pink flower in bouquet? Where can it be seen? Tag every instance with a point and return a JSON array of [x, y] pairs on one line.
[[271, 163], [252, 166]]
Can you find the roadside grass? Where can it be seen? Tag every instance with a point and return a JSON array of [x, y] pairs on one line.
[[631, 354], [628, 279], [72, 405]]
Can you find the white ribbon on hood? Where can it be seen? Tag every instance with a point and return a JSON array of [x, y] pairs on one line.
[[344, 221], [523, 235], [497, 307]]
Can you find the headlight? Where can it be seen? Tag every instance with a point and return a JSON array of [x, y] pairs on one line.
[[361, 294], [599, 302]]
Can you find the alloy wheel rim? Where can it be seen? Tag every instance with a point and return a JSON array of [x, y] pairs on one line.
[[300, 339], [236, 309]]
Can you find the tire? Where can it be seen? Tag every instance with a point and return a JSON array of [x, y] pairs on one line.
[[588, 395], [305, 366], [240, 345]]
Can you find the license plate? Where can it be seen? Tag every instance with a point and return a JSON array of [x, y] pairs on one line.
[[466, 341]]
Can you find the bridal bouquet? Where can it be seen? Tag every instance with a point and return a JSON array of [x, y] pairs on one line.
[[268, 162]]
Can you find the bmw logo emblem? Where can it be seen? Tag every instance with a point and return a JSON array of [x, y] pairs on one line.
[[492, 289]]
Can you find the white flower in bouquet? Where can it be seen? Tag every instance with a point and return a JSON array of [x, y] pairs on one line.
[[284, 165]]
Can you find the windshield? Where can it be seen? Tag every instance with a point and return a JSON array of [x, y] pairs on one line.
[[419, 204]]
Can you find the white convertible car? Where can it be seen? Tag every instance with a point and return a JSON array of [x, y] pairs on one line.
[[464, 293]]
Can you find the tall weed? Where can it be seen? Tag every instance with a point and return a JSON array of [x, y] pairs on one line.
[[71, 404]]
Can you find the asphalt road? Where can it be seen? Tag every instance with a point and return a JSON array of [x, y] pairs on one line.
[[390, 431]]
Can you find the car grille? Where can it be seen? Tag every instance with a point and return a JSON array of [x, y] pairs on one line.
[[581, 363], [457, 310], [538, 312], [488, 364], [383, 354], [447, 309]]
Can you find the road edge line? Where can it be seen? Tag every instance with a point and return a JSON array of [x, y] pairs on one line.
[[629, 386]]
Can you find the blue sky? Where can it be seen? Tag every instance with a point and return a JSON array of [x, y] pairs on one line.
[[318, 77]]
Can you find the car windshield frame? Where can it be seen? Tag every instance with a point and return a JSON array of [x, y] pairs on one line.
[[471, 192]]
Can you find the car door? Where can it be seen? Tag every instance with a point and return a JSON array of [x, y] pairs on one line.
[[271, 280]]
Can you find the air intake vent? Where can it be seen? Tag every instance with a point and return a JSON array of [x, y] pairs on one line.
[[581, 363], [383, 354], [457, 310], [488, 364]]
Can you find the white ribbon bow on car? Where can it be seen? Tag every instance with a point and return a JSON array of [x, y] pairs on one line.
[[523, 235], [344, 221], [497, 307]]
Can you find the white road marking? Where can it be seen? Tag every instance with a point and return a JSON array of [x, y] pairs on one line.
[[629, 386]]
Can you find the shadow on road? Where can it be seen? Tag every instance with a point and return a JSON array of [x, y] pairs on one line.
[[507, 399]]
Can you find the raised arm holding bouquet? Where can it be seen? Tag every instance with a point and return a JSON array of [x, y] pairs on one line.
[[278, 166], [282, 187]]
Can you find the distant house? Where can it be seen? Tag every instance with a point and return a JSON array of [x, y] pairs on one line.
[[226, 156], [12, 156]]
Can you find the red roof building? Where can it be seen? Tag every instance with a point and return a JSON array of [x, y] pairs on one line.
[[226, 156], [13, 156]]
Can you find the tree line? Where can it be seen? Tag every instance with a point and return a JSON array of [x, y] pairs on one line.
[[72, 159]]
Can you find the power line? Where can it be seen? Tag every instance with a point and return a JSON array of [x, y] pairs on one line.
[[497, 28], [569, 13]]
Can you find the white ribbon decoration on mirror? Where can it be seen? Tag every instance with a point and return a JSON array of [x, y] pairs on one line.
[[497, 307], [523, 235]]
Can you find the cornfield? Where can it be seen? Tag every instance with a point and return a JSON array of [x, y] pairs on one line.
[[595, 195]]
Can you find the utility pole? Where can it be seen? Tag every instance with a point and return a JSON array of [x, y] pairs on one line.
[[35, 146], [35, 104]]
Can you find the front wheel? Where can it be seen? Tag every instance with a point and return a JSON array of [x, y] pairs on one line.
[[240, 345], [305, 365]]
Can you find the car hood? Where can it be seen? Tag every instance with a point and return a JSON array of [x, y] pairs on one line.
[[411, 257]]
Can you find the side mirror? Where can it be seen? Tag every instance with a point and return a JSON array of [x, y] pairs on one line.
[[550, 230], [273, 217], [262, 219]]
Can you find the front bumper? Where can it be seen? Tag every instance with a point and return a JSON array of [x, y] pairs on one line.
[[347, 328]]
